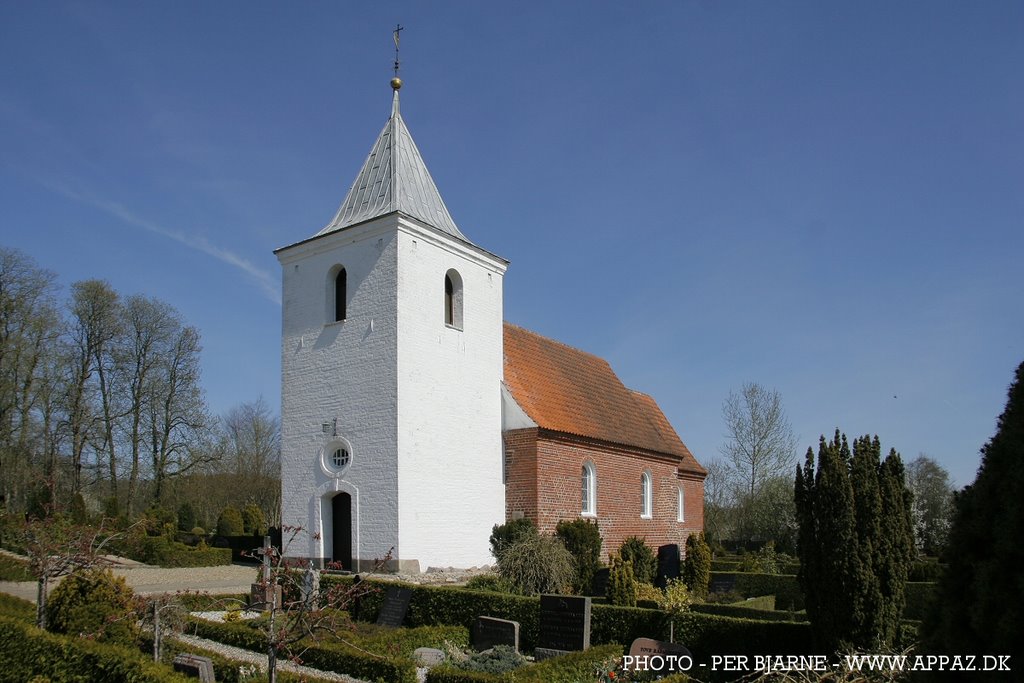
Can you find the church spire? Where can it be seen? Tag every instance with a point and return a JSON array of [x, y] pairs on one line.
[[394, 178]]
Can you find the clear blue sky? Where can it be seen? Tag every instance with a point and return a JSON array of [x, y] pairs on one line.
[[825, 198]]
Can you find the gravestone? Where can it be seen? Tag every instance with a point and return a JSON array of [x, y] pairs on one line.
[[310, 585], [396, 604], [428, 656], [564, 625], [195, 666], [489, 631], [661, 657], [668, 564], [722, 583]]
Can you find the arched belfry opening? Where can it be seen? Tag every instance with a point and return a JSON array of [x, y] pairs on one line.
[[341, 525], [453, 299], [340, 294]]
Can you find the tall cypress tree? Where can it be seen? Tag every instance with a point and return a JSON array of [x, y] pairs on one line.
[[979, 609], [855, 543]]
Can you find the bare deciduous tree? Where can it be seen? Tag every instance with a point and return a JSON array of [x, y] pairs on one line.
[[760, 443]]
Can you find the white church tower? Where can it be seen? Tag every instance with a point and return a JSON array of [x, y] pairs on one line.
[[391, 356]]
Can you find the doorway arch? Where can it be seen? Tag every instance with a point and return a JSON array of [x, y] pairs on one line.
[[341, 530]]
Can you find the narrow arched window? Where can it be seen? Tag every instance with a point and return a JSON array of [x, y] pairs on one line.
[[588, 479], [645, 495], [453, 299], [340, 294], [681, 505]]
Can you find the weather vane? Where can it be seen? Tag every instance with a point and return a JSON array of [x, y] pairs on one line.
[[396, 82]]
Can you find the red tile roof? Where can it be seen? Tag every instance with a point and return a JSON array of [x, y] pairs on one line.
[[567, 390]]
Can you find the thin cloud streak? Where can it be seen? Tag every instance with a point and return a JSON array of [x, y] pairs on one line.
[[265, 280]]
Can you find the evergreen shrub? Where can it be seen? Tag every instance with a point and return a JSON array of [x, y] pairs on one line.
[[505, 535], [621, 583], [92, 603], [488, 582], [697, 565], [645, 565], [230, 522], [253, 521], [583, 540], [497, 660], [186, 516]]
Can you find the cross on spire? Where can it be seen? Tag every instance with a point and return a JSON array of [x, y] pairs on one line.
[[398, 28]]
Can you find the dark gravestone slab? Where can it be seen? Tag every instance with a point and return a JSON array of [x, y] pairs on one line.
[[564, 624], [668, 564], [722, 583], [599, 584], [489, 631], [195, 666], [647, 654], [396, 604]]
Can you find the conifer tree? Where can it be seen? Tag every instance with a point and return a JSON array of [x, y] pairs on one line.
[[621, 582], [855, 542], [978, 609], [697, 565]]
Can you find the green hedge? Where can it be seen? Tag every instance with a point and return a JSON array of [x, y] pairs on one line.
[[784, 587], [570, 668], [163, 552], [708, 633], [740, 611], [14, 569], [27, 652], [327, 657], [16, 608]]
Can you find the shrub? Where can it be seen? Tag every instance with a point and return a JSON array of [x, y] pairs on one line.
[[230, 522], [186, 516], [621, 583], [498, 660], [648, 595], [765, 560], [161, 521], [91, 602], [637, 552], [198, 531], [537, 564], [697, 566], [509, 533], [252, 520], [676, 598], [583, 540], [488, 582]]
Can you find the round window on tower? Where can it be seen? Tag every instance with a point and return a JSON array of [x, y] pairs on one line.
[[336, 456]]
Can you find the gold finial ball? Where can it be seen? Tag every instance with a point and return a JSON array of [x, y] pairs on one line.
[[396, 83]]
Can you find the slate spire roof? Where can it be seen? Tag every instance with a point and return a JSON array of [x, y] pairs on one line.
[[394, 178]]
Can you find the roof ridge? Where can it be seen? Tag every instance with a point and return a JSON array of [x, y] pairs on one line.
[[560, 343]]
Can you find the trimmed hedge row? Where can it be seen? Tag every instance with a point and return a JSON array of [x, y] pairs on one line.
[[570, 668], [163, 552], [14, 569], [784, 587], [707, 633], [27, 652], [740, 611], [328, 657], [16, 608]]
